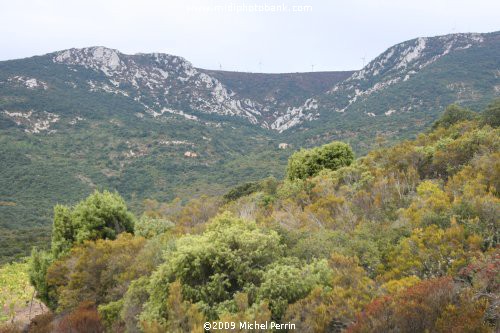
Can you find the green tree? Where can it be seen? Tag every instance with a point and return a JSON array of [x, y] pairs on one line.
[[452, 115], [149, 227], [491, 114], [229, 257], [38, 264], [102, 215], [284, 284], [63, 230], [309, 162]]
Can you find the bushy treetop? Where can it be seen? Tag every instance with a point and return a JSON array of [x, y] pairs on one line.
[[452, 115], [102, 215], [309, 162]]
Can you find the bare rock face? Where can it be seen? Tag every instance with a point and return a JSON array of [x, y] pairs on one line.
[[171, 82], [398, 64], [175, 86]]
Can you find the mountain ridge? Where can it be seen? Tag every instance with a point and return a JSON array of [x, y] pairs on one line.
[[209, 94], [162, 83]]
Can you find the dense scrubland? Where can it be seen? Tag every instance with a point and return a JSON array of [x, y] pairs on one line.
[[403, 239]]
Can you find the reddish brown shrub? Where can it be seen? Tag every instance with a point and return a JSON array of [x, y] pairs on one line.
[[436, 305], [41, 323], [84, 319]]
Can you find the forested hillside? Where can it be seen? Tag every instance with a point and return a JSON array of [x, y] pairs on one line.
[[403, 239], [152, 125]]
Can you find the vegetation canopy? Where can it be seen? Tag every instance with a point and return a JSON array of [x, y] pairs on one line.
[[403, 239], [309, 162]]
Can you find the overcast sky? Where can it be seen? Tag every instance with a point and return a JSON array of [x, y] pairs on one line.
[[239, 35]]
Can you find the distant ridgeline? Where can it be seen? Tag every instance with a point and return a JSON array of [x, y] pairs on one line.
[[154, 126]]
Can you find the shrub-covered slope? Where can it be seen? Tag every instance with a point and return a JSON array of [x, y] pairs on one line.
[[404, 239]]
